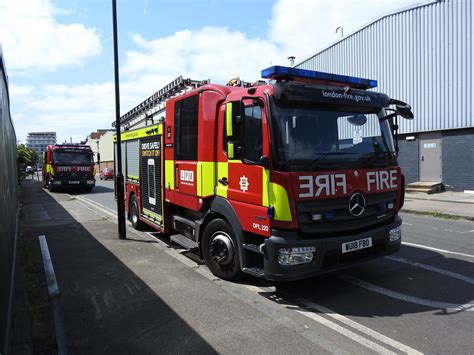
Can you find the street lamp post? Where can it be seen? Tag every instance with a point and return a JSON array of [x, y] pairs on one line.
[[98, 155], [119, 176]]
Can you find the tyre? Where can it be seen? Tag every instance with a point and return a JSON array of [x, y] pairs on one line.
[[221, 251], [135, 214]]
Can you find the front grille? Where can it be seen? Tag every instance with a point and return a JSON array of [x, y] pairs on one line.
[[77, 175], [343, 221]]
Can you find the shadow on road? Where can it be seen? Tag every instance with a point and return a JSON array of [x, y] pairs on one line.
[[107, 308], [387, 288]]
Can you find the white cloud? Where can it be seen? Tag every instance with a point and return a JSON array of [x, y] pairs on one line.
[[297, 28], [71, 111], [302, 27], [35, 41], [211, 52]]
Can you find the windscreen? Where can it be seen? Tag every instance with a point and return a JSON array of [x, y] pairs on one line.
[[309, 137], [72, 158]]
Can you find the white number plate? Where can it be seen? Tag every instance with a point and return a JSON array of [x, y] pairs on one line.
[[356, 245], [74, 182]]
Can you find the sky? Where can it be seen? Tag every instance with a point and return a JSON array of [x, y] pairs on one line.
[[59, 54]]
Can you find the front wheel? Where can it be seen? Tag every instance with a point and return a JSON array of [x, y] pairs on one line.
[[134, 214], [220, 250]]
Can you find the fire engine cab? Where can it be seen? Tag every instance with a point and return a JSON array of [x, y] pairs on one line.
[[282, 179], [68, 166]]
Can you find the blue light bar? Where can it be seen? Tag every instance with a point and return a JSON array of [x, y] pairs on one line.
[[277, 72]]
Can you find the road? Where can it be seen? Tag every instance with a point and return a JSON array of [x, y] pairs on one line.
[[420, 299]]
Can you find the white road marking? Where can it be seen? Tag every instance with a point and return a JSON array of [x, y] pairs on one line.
[[449, 307], [437, 249], [361, 328], [407, 224], [346, 332], [96, 205], [432, 268]]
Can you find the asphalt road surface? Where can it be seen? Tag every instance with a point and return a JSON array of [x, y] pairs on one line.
[[420, 299]]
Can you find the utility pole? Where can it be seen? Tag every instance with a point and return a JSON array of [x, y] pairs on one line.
[[118, 174]]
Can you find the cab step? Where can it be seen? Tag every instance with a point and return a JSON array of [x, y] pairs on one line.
[[254, 271], [185, 242], [253, 247]]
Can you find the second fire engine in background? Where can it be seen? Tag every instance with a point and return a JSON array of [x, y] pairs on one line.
[[68, 166]]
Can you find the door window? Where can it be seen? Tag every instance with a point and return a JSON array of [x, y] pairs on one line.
[[186, 128]]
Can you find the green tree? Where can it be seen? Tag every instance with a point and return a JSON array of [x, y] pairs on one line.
[[26, 156]]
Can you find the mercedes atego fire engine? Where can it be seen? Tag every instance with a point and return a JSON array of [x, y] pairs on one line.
[[68, 166], [283, 179]]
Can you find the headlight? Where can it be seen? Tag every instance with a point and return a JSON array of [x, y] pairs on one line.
[[296, 256], [395, 234]]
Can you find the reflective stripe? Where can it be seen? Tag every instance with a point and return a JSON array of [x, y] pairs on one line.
[[230, 150], [265, 182], [279, 199], [222, 170], [148, 131], [169, 174], [206, 178], [152, 214], [228, 119], [49, 169]]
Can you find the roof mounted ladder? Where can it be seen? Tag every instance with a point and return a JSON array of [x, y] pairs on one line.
[[156, 102]]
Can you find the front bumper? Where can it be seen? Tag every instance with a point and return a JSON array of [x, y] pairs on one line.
[[71, 183], [328, 256]]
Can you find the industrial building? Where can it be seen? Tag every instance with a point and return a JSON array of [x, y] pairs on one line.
[[422, 55], [39, 141]]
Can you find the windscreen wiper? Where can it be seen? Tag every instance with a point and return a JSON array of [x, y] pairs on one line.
[[322, 157]]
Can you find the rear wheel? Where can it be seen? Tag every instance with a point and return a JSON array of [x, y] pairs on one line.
[[135, 214], [220, 250]]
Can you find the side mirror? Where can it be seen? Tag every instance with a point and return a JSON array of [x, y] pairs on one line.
[[405, 111], [402, 108]]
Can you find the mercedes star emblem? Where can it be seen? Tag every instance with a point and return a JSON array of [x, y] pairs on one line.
[[357, 204]]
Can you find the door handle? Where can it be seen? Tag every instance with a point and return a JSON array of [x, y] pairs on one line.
[[176, 174], [422, 158], [224, 181]]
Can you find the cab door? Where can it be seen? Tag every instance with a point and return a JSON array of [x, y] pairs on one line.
[[241, 176]]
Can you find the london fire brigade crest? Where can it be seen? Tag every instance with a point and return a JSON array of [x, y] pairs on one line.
[[244, 183]]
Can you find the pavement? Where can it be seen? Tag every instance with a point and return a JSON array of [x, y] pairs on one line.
[[448, 203], [145, 295]]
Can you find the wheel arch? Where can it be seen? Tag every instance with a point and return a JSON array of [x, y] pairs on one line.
[[221, 208]]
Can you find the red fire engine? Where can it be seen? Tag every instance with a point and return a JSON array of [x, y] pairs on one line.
[[68, 165], [282, 179]]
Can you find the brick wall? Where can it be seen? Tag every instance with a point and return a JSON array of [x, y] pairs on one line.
[[458, 159]]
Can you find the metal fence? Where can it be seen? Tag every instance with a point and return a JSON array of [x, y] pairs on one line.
[[9, 197]]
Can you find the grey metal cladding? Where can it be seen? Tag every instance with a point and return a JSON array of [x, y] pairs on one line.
[[422, 55], [132, 159]]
